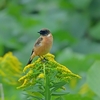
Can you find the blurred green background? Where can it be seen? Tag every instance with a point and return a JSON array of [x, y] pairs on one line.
[[75, 25]]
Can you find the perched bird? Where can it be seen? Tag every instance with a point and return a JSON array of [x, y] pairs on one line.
[[43, 44]]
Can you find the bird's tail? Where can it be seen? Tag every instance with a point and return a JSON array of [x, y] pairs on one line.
[[29, 62], [31, 58]]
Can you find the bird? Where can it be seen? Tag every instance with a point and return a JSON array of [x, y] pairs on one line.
[[42, 45]]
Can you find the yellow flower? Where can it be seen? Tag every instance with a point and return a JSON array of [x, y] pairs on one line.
[[41, 75], [40, 68], [10, 69]]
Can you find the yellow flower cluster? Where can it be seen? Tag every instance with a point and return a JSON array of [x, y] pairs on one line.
[[10, 69], [48, 66]]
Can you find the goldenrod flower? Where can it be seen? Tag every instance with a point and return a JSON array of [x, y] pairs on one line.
[[40, 68], [41, 75], [10, 68]]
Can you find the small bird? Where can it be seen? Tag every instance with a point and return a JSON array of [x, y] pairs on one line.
[[43, 44]]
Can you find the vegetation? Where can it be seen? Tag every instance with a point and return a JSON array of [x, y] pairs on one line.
[[75, 25]]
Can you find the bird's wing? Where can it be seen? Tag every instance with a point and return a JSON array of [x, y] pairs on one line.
[[38, 42], [32, 51]]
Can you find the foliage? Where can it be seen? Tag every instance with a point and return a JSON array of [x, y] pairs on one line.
[[75, 27], [48, 76], [10, 69]]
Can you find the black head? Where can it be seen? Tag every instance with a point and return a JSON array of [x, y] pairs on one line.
[[44, 32]]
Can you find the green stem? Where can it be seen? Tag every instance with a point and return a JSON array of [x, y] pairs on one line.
[[2, 93], [47, 84]]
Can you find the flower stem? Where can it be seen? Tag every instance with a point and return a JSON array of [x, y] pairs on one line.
[[47, 84], [2, 94]]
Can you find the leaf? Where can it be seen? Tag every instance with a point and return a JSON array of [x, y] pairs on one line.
[[33, 97], [76, 97], [59, 93], [59, 98], [58, 85], [95, 31], [80, 4], [93, 78], [94, 9], [77, 24]]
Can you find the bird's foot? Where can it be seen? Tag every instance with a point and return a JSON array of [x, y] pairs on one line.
[[43, 59]]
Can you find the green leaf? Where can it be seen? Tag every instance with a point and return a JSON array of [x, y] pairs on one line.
[[77, 24], [34, 98], [76, 97], [81, 4], [57, 86], [94, 9], [59, 93], [59, 98], [93, 78], [95, 31]]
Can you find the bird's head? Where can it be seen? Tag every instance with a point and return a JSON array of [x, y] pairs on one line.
[[44, 32]]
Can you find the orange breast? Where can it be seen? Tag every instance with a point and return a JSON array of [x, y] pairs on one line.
[[45, 46]]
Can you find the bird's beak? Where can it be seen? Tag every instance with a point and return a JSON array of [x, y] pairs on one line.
[[38, 32]]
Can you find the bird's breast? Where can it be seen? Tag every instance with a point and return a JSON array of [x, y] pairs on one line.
[[44, 46]]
